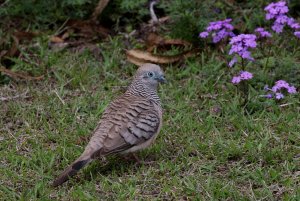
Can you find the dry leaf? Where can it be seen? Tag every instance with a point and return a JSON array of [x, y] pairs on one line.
[[56, 39], [83, 32], [139, 57], [17, 37], [88, 29], [14, 48], [67, 34], [23, 35], [135, 60]]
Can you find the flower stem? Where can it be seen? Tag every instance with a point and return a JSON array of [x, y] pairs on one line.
[[297, 45], [243, 64], [267, 62]]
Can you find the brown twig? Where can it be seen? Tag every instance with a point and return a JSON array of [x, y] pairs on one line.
[[99, 8], [19, 75]]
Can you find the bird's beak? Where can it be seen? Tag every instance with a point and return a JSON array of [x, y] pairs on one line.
[[162, 79]]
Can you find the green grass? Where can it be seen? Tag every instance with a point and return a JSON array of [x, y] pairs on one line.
[[210, 147]]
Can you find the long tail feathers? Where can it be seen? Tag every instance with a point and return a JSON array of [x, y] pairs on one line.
[[71, 170]]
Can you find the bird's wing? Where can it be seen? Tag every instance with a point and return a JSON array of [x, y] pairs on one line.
[[127, 122]]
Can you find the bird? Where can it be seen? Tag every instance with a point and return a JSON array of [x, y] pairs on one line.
[[128, 124]]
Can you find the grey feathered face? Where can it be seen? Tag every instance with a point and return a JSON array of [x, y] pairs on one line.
[[151, 74]]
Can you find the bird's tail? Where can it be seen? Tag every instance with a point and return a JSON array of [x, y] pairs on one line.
[[82, 161]]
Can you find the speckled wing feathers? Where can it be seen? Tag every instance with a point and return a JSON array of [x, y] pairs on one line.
[[135, 121]]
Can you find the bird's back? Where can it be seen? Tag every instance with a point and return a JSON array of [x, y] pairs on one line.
[[127, 122]]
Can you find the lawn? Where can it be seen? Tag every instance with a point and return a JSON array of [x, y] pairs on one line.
[[215, 143]]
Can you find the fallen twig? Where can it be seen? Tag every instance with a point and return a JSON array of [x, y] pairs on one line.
[[152, 12], [286, 104]]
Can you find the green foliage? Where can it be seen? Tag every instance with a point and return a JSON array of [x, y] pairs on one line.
[[210, 147], [138, 6], [126, 14], [189, 17], [288, 69], [42, 12]]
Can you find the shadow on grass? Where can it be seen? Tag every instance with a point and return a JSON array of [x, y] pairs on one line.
[[119, 165]]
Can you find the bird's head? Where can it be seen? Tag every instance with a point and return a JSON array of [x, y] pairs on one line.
[[150, 74]]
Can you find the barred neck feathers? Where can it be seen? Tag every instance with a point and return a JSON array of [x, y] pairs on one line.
[[138, 88]]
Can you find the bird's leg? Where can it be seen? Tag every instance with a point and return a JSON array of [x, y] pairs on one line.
[[136, 158], [133, 156]]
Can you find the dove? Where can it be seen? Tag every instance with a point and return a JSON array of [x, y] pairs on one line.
[[129, 123]]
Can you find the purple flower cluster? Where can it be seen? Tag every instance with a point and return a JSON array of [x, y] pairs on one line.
[[244, 75], [278, 11], [219, 30], [262, 33], [276, 90], [240, 45]]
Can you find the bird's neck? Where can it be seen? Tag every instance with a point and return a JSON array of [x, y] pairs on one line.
[[148, 92]]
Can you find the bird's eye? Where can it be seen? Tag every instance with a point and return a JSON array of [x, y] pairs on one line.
[[150, 74]]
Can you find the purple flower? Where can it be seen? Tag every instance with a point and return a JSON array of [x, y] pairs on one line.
[[203, 34], [244, 75], [282, 19], [269, 96], [277, 89], [215, 26], [263, 33], [279, 85], [294, 25], [236, 79], [291, 90], [279, 96], [275, 9], [277, 27], [232, 62], [219, 30], [297, 34], [246, 55], [240, 45], [216, 39], [278, 11], [266, 87]]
